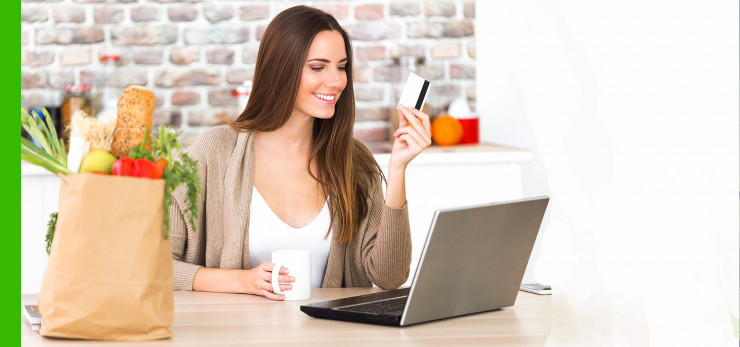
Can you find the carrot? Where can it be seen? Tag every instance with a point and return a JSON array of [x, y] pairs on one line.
[[162, 163]]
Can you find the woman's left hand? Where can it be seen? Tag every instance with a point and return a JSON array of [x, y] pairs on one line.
[[413, 135]]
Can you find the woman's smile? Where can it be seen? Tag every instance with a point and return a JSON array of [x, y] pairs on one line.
[[327, 98]]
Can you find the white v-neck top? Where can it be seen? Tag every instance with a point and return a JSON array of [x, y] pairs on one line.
[[268, 233]]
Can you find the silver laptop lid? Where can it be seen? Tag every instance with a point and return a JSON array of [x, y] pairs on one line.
[[473, 259]]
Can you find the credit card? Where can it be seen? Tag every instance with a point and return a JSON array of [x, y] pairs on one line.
[[415, 92]]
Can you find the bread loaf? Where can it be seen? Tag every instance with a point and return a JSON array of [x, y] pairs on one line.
[[135, 108]]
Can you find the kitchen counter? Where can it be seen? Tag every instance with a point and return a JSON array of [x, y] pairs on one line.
[[465, 154]]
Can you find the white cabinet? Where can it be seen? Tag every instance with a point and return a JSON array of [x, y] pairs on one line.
[[437, 178], [39, 198], [443, 177]]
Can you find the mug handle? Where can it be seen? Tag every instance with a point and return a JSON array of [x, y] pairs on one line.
[[275, 276]]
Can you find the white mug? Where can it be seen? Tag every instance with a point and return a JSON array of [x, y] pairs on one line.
[[298, 262]]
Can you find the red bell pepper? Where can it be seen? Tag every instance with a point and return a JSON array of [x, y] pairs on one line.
[[145, 168], [124, 167], [127, 166]]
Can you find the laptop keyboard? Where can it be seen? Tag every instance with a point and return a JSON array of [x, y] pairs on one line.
[[377, 307]]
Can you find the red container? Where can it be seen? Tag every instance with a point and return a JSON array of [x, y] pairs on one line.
[[470, 130]]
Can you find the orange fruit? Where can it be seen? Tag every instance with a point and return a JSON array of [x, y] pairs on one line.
[[446, 131]]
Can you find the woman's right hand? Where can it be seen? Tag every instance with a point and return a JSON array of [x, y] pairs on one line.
[[258, 281]]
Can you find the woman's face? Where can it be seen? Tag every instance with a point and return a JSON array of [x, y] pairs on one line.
[[324, 77]]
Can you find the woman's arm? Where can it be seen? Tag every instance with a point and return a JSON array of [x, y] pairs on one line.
[[190, 276], [184, 244], [254, 281], [386, 248], [395, 192], [385, 244], [412, 137]]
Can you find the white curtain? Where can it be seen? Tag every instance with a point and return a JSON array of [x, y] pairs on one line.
[[632, 108]]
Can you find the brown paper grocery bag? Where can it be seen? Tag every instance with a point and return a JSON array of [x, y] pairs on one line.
[[109, 274]]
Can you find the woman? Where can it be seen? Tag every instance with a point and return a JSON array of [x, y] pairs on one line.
[[288, 174]]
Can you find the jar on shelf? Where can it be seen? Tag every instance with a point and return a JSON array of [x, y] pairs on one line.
[[75, 98], [108, 93]]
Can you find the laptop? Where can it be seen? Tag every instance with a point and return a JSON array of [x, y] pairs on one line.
[[473, 261]]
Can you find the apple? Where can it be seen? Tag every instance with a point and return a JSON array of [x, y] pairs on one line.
[[97, 160]]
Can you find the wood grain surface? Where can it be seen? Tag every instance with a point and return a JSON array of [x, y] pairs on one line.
[[214, 319]]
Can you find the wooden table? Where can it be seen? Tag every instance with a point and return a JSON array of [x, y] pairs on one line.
[[213, 319]]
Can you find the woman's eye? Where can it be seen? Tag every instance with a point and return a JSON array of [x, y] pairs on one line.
[[319, 68]]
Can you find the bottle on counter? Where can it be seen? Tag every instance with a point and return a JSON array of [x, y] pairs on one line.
[[75, 98], [54, 108], [24, 134], [52, 103], [242, 95], [37, 112], [460, 110], [108, 92]]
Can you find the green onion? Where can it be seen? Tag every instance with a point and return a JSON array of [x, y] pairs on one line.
[[51, 155]]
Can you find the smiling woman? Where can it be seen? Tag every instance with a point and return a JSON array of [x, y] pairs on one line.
[[324, 76], [305, 59], [288, 174]]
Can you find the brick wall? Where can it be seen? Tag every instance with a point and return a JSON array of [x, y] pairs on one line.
[[193, 53]]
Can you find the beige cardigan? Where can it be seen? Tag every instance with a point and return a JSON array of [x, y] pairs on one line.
[[380, 251]]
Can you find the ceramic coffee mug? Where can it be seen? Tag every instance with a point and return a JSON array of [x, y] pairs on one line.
[[298, 263]]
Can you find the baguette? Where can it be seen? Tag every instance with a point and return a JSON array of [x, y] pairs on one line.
[[135, 109]]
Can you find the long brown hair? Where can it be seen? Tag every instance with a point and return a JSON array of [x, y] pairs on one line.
[[346, 169]]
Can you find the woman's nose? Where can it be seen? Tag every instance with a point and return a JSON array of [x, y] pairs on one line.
[[334, 79]]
